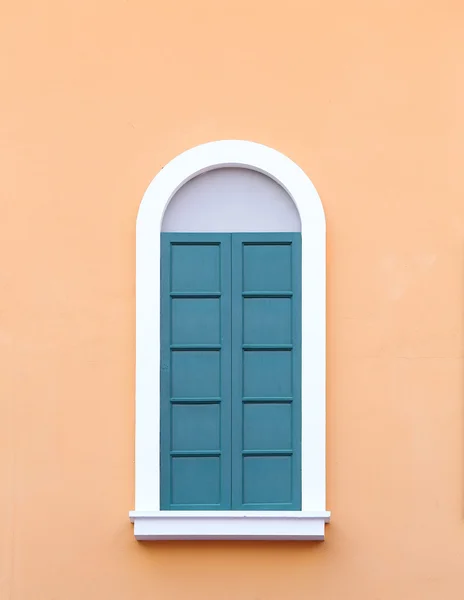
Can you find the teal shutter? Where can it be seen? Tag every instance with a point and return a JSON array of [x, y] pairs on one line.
[[266, 371], [195, 371], [230, 371]]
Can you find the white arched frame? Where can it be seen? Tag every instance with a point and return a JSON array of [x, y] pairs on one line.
[[149, 521]]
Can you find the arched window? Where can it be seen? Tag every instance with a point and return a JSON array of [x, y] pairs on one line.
[[230, 374]]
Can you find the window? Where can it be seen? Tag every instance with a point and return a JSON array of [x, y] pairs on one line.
[[234, 445]]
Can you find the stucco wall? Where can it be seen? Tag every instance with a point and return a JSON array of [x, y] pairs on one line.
[[365, 96]]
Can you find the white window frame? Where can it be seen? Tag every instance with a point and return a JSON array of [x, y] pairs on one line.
[[151, 523]]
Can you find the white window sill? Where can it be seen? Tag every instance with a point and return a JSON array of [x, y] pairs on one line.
[[229, 525]]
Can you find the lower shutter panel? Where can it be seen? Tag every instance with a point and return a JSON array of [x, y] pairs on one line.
[[266, 371], [195, 372]]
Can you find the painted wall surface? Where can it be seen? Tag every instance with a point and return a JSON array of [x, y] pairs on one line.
[[231, 199], [367, 98]]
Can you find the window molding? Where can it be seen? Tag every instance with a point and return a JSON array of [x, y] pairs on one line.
[[229, 525], [149, 521]]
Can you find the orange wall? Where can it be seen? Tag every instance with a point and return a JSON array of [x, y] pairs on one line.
[[368, 98]]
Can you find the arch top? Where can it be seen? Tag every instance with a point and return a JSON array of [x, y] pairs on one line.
[[233, 153]]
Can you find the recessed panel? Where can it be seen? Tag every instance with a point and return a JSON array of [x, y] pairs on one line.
[[267, 320], [195, 321], [195, 374], [267, 479], [267, 373], [195, 480], [267, 426], [195, 426], [231, 199], [195, 268], [267, 267]]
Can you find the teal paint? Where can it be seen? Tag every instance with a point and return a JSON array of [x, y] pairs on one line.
[[231, 371], [266, 371], [195, 372]]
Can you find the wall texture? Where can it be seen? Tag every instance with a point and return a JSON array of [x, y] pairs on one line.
[[365, 96]]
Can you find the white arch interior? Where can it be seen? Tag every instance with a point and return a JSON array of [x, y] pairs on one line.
[[231, 199]]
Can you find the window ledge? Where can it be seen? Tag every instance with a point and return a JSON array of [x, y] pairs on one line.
[[229, 525]]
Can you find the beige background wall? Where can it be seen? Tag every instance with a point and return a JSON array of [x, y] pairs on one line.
[[368, 98]]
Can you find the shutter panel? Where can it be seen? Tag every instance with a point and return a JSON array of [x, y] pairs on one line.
[[195, 371], [266, 371]]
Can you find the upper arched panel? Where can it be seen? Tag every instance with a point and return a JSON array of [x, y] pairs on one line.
[[230, 199], [233, 153]]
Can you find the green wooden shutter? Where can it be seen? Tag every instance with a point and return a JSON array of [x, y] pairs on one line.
[[231, 371], [266, 371], [195, 371]]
